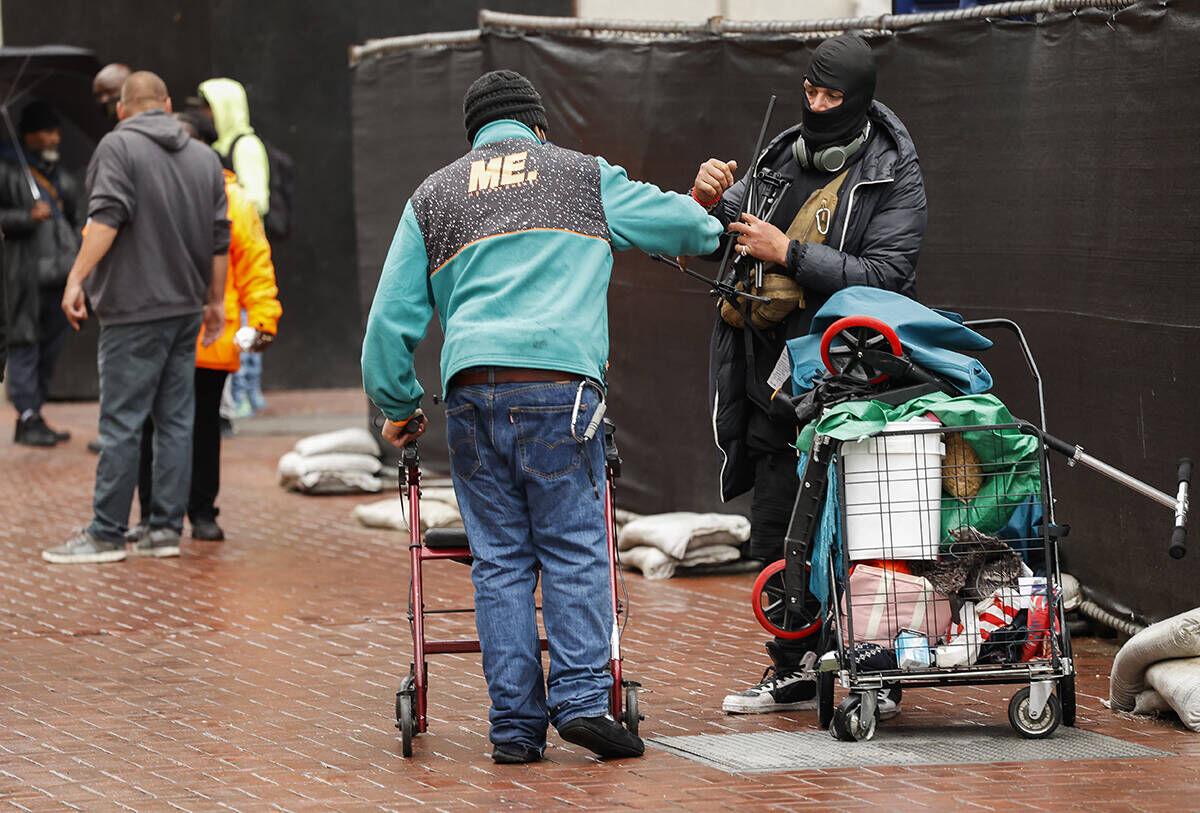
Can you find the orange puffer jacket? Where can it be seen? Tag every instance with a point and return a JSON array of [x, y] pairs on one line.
[[249, 283]]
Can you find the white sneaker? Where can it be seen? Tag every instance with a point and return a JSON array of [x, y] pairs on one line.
[[85, 549], [888, 708], [790, 691]]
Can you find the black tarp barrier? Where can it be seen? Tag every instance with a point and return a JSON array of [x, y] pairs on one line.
[[1061, 167], [291, 56]]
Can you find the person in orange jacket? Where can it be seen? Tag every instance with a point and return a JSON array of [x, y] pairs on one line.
[[249, 286]]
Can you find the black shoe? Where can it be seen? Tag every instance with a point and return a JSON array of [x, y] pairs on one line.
[[94, 446], [32, 431], [59, 437], [602, 736], [516, 753], [207, 529]]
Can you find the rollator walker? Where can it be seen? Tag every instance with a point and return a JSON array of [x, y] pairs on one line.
[[450, 544]]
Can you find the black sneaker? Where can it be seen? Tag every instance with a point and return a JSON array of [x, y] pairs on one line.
[[602, 736], [515, 753], [788, 684], [207, 529], [32, 431]]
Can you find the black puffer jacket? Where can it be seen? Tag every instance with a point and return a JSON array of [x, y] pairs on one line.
[[874, 239], [29, 244]]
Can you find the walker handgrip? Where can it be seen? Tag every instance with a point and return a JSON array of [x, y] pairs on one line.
[[1185, 470]]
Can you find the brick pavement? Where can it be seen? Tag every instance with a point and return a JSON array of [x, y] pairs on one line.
[[258, 674]]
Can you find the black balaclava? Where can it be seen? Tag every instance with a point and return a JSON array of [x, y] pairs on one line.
[[843, 63], [502, 95]]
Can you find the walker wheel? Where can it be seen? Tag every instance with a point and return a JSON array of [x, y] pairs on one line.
[[406, 718], [847, 724], [768, 601], [1029, 728], [631, 716], [824, 699], [1066, 697], [845, 340]]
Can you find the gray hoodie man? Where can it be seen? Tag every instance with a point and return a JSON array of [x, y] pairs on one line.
[[158, 241], [171, 215]]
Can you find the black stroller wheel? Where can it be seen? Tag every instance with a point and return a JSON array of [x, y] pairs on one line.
[[824, 699]]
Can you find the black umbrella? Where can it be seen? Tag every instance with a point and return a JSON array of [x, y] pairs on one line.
[[59, 74]]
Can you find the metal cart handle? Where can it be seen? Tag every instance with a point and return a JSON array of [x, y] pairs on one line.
[[1177, 503], [1179, 535]]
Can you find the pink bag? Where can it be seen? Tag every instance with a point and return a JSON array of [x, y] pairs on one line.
[[885, 602]]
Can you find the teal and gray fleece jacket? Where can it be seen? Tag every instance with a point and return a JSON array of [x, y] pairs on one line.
[[512, 243]]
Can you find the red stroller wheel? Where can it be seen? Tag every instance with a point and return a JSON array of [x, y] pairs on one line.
[[768, 601], [843, 343]]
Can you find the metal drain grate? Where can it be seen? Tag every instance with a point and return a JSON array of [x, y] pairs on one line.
[[946, 745]]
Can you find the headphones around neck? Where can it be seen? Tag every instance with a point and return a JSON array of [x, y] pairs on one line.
[[831, 158]]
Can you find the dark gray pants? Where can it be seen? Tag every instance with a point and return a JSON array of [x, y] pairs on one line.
[[146, 370], [31, 365]]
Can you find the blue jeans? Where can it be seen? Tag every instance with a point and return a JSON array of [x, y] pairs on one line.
[[532, 499]]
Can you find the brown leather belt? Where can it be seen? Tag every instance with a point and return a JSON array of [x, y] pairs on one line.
[[474, 376]]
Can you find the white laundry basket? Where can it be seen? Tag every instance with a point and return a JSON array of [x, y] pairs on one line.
[[893, 493]]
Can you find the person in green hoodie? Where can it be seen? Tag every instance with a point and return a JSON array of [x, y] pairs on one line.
[[512, 245], [243, 152]]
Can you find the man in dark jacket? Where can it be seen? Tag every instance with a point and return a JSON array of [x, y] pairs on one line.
[[158, 234], [851, 211], [41, 217]]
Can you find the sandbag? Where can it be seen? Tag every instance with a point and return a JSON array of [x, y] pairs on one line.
[[677, 533], [1151, 704], [654, 564], [330, 473], [1178, 683], [1176, 637], [355, 440], [392, 514]]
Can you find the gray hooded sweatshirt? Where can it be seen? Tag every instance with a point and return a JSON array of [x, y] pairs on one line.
[[165, 194]]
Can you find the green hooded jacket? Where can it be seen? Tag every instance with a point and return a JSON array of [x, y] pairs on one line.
[[231, 117]]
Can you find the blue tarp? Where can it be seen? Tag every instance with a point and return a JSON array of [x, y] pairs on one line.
[[931, 338]]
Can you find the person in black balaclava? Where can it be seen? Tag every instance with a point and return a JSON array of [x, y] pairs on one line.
[[851, 212]]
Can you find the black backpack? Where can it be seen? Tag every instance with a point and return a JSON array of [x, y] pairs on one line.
[[278, 220]]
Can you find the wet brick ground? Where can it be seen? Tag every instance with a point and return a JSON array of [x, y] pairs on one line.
[[258, 674]]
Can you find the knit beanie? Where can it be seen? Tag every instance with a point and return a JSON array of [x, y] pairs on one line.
[[502, 95], [36, 117]]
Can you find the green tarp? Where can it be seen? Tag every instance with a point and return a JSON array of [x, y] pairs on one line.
[[1009, 459]]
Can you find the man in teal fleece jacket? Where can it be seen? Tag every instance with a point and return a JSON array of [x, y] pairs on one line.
[[512, 243]]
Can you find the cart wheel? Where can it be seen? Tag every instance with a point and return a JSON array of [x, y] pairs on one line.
[[632, 715], [847, 724], [844, 341], [824, 698], [768, 601], [1066, 696], [1026, 726]]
